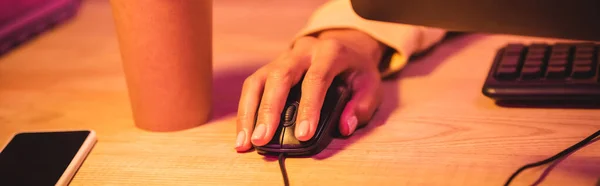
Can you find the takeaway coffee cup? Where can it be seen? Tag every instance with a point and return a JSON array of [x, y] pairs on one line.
[[166, 50]]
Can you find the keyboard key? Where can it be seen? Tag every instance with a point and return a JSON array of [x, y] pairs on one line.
[[558, 62], [584, 55], [533, 63], [518, 46], [558, 55], [537, 50], [538, 47], [507, 72], [510, 60], [561, 47], [586, 47], [582, 62], [514, 49], [535, 56], [582, 72], [531, 72], [512, 53], [556, 71], [533, 51]]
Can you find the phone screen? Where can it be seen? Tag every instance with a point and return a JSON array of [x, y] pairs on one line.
[[39, 158]]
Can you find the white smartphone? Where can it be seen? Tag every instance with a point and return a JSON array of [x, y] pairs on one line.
[[44, 158]]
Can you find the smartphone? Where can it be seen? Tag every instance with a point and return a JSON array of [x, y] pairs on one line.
[[44, 158]]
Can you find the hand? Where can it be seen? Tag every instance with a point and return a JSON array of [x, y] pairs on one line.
[[349, 53]]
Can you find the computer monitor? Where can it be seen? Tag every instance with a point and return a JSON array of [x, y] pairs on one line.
[[576, 20]]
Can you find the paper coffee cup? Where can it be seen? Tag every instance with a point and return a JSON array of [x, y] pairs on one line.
[[166, 50]]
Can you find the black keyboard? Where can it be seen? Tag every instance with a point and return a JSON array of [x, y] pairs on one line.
[[545, 72]]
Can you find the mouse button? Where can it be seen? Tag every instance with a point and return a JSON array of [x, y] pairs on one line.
[[333, 97], [289, 139], [276, 139]]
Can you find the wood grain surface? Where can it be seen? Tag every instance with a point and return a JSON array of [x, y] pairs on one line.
[[435, 127]]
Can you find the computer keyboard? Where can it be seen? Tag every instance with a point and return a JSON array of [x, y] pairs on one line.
[[545, 72]]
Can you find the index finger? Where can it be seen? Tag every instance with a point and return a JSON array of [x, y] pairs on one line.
[[252, 90]]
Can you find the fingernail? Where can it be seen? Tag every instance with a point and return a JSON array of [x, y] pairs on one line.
[[241, 137], [302, 129], [259, 132], [352, 121]]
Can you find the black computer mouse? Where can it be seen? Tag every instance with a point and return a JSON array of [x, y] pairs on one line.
[[284, 139]]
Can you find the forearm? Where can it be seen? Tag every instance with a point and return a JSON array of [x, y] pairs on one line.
[[404, 40]]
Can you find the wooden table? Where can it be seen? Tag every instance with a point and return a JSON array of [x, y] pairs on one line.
[[435, 127]]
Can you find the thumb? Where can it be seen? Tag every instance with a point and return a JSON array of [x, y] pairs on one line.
[[359, 110]]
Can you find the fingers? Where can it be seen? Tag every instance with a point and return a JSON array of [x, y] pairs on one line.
[[367, 96], [322, 61], [277, 86], [275, 73], [252, 90], [326, 63]]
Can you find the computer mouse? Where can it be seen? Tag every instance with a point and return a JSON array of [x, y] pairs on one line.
[[284, 139]]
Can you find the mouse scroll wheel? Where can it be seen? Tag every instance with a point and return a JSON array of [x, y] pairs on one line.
[[290, 113]]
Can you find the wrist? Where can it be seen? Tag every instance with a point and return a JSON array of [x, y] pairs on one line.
[[359, 42]]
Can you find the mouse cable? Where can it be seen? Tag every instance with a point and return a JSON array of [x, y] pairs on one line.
[[281, 158], [555, 157]]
